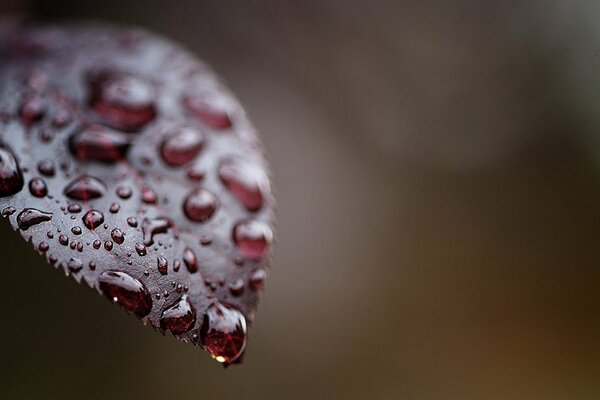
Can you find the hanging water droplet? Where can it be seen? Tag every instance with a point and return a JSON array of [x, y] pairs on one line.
[[93, 219], [182, 146], [253, 238], [32, 216], [37, 187], [179, 317], [11, 178], [246, 181], [200, 205], [223, 333], [85, 188], [129, 292]]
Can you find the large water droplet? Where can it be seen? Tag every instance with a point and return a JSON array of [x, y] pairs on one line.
[[223, 333], [178, 317], [11, 178], [93, 219], [32, 216], [129, 292], [37, 187], [123, 101], [154, 226], [245, 181], [200, 205], [97, 143], [253, 238], [208, 113], [85, 188], [182, 147]]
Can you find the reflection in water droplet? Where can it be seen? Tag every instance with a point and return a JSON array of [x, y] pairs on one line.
[[129, 292], [178, 317], [32, 216], [85, 188], [253, 238], [200, 205], [11, 178], [182, 147], [223, 333]]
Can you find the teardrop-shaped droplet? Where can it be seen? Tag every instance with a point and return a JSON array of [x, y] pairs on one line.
[[162, 265], [97, 143], [32, 216], [207, 113], [85, 188], [182, 147], [245, 181], [154, 226], [129, 292], [223, 333], [189, 259], [11, 178], [253, 238], [178, 317], [93, 219], [123, 101], [200, 205], [37, 187]]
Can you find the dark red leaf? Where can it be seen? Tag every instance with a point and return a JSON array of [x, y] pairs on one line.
[[127, 164]]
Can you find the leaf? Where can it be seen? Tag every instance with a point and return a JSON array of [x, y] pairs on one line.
[[126, 163]]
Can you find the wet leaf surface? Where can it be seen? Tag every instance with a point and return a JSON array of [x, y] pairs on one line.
[[128, 165]]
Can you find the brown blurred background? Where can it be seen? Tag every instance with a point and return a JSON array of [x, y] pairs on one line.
[[437, 165]]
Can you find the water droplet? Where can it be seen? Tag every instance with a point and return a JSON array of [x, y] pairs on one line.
[[46, 167], [97, 143], [32, 216], [245, 181], [140, 249], [132, 222], [223, 333], [8, 211], [124, 101], [76, 230], [195, 174], [253, 238], [208, 113], [117, 236], [63, 239], [129, 292], [43, 247], [11, 178], [92, 219], [182, 147], [205, 241], [124, 192], [162, 264], [237, 288], [85, 188], [61, 119], [32, 110], [257, 281], [148, 196], [178, 317], [38, 187], [176, 265], [189, 259], [200, 205], [154, 226], [114, 208], [74, 208], [96, 244], [74, 265], [92, 265]]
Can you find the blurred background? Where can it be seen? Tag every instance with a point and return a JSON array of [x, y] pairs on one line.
[[437, 166]]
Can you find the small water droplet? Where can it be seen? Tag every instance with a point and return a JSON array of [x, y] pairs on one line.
[[179, 317], [32, 216], [132, 222], [253, 238], [85, 188], [208, 113], [200, 205], [108, 245], [93, 219], [237, 287], [37, 187], [92, 265], [32, 110], [223, 333], [76, 230], [96, 244], [124, 192], [63, 239], [43, 247], [117, 236], [74, 208], [189, 259], [148, 196], [162, 264], [176, 265], [257, 280], [46, 167], [129, 292], [140, 249], [182, 147], [114, 208], [75, 265]]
